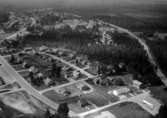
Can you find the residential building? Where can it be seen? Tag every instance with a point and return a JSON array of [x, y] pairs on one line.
[[106, 38], [120, 91], [47, 81], [137, 83]]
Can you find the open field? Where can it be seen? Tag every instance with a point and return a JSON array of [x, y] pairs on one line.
[[125, 110], [21, 102]]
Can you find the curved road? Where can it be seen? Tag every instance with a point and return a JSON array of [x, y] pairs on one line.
[[151, 57]]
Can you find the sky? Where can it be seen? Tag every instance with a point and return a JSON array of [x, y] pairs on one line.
[[80, 2]]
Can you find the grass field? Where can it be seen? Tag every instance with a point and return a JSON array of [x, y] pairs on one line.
[[125, 110]]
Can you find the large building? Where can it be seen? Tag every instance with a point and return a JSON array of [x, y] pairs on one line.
[[120, 91]]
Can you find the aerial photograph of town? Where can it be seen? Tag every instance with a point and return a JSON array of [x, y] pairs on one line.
[[83, 58]]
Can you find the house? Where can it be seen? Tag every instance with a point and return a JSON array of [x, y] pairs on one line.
[[84, 88], [76, 74], [43, 48], [60, 53], [55, 50], [71, 55], [161, 36], [39, 75], [59, 26], [91, 24], [137, 83], [94, 67], [28, 49], [106, 38], [33, 69], [25, 65], [47, 81], [120, 91], [80, 28]]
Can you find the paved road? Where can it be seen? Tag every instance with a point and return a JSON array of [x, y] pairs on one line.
[[21, 32], [139, 100], [10, 74], [11, 91], [135, 99], [72, 65], [151, 57], [63, 85]]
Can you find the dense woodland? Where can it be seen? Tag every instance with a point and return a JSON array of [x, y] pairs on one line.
[[136, 24], [159, 50]]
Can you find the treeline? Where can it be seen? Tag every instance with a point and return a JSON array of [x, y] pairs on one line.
[[159, 49], [135, 59], [135, 24], [49, 19], [4, 17], [69, 38], [125, 39]]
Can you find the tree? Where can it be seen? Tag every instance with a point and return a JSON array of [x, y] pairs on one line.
[[162, 112], [63, 110], [118, 82], [12, 58], [54, 68], [58, 72], [47, 114]]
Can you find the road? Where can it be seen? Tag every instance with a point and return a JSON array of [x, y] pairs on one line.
[[135, 99], [72, 65], [10, 74], [151, 57], [22, 32]]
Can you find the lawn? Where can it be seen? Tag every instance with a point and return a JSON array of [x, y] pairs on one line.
[[22, 103], [91, 72], [18, 67], [125, 110], [96, 99], [129, 110], [59, 98], [24, 73]]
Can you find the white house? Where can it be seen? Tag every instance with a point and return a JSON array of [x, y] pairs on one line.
[[137, 83], [120, 91], [43, 48]]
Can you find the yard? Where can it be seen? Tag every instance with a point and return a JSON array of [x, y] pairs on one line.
[[20, 102], [124, 110]]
